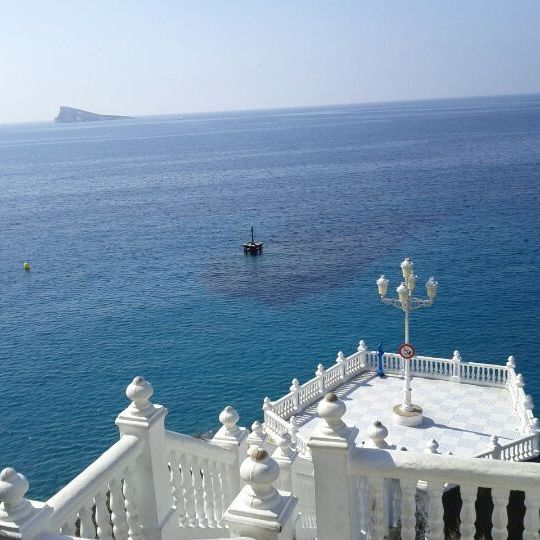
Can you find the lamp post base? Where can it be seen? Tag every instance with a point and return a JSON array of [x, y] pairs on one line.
[[411, 418]]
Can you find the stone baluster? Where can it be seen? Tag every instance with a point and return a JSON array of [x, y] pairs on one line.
[[260, 510], [284, 455], [293, 423], [17, 514], [87, 529], [118, 512], [456, 363], [188, 490], [408, 509], [69, 529], [432, 447], [234, 439], [362, 349], [499, 517], [329, 443], [494, 447], [217, 489], [177, 489], [467, 528], [132, 514], [341, 362], [377, 434], [257, 437], [208, 496], [198, 493], [294, 389], [531, 521], [435, 511], [147, 484], [319, 374], [103, 519]]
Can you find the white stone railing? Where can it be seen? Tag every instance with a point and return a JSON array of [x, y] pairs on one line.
[[202, 476], [519, 450], [99, 501], [279, 416], [377, 492]]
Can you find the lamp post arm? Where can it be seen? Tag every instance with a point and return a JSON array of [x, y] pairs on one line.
[[418, 303]]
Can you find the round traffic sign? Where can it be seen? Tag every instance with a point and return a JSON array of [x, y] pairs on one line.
[[406, 351]]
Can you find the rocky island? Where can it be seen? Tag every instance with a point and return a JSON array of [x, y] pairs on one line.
[[69, 114]]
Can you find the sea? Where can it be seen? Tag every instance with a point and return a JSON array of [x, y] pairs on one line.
[[134, 232]]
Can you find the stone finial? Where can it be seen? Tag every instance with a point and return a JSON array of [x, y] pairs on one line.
[[295, 385], [528, 402], [494, 447], [534, 425], [320, 370], [139, 392], [259, 470], [511, 362], [377, 434], [519, 381], [13, 488], [331, 409], [340, 358], [257, 435], [267, 404], [432, 447], [285, 445], [362, 346], [456, 357], [229, 418]]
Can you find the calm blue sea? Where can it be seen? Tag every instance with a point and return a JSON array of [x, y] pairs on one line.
[[134, 232]]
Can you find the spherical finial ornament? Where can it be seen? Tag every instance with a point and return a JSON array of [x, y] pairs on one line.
[[432, 447], [295, 385], [457, 356], [259, 469], [139, 392], [528, 402], [534, 425], [511, 362], [257, 428], [229, 418], [267, 404], [285, 444], [320, 370], [331, 409], [13, 488], [377, 433], [519, 380], [362, 346], [340, 357]]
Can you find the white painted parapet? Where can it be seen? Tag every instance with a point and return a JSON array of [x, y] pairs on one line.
[[261, 511], [149, 481]]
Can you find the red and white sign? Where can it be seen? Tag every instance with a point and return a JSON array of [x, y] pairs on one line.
[[406, 351]]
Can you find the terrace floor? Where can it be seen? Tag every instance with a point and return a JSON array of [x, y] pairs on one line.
[[460, 417]]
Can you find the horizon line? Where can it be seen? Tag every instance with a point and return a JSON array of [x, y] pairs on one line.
[[286, 107]]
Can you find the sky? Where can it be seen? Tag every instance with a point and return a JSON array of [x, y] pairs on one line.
[[154, 57]]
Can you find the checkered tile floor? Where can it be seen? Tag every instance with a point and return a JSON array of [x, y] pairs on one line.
[[460, 417]]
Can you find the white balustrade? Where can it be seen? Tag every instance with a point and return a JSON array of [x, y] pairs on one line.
[[74, 505]]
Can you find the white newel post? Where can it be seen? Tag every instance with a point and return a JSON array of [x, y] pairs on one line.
[[233, 438], [456, 363], [319, 374], [294, 389], [340, 361], [362, 352], [330, 443], [19, 517], [261, 511], [150, 478], [494, 447], [257, 437], [284, 456]]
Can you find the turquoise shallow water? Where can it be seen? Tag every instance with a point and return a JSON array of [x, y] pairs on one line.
[[134, 228]]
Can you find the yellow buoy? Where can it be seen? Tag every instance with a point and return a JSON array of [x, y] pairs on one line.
[[26, 266]]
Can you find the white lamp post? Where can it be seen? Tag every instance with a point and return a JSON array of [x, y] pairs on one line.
[[406, 413]]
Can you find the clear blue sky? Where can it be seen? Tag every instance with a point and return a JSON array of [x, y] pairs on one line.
[[173, 56]]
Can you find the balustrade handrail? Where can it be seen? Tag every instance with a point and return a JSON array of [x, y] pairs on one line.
[[199, 447], [93, 479], [441, 468], [512, 444]]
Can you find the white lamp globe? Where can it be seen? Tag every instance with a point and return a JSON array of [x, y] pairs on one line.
[[431, 288], [382, 284], [411, 282], [403, 293], [406, 267]]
